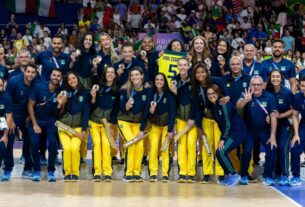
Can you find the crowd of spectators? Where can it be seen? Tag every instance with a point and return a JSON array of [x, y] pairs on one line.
[[237, 21]]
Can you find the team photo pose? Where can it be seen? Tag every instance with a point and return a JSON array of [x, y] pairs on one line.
[[283, 98], [75, 110], [233, 133], [182, 89], [132, 119], [259, 107], [162, 119], [104, 105], [44, 110]]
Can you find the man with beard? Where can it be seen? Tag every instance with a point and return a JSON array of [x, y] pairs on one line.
[[250, 66], [19, 89], [43, 110], [277, 61], [53, 58]]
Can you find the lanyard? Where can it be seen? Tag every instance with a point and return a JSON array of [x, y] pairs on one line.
[[104, 90], [182, 83], [262, 107], [44, 103], [160, 97], [203, 95], [70, 94], [55, 62], [252, 68], [275, 66], [238, 77], [133, 93], [129, 65]]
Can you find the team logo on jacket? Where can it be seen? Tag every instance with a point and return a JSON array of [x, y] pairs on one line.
[[112, 97], [255, 72], [143, 97], [62, 62], [164, 101], [228, 85], [245, 84], [219, 112], [281, 101], [283, 68], [264, 103], [2, 106], [21, 93], [81, 98]]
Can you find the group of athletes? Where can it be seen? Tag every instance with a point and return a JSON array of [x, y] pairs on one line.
[[222, 103]]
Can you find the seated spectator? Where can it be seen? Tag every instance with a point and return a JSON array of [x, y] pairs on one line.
[[27, 37], [19, 44], [135, 19], [289, 41], [85, 23], [12, 23], [88, 11], [95, 26], [73, 38]]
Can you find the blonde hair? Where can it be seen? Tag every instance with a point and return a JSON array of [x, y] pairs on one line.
[[114, 56], [128, 85]]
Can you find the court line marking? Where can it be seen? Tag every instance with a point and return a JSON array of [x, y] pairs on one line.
[[287, 197]]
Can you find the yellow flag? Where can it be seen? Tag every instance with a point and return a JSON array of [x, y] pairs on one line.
[[168, 63]]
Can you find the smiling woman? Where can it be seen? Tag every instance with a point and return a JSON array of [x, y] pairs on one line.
[[132, 119], [75, 110]]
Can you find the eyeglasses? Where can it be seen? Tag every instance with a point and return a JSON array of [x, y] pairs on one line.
[[256, 84]]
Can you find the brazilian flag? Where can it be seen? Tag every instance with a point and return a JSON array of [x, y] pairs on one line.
[[294, 5]]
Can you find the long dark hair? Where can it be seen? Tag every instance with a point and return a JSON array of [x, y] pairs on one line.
[[195, 83], [169, 46], [165, 88], [269, 86], [66, 82], [103, 80], [82, 47]]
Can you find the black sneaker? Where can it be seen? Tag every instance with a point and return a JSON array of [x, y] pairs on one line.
[[182, 179], [96, 178], [153, 178], [191, 179], [199, 163], [221, 178], [108, 178], [205, 179], [128, 179], [67, 178], [83, 161], [252, 179], [138, 178], [144, 161], [75, 178], [122, 162], [165, 179]]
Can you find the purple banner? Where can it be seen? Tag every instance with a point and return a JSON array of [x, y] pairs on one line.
[[162, 39]]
